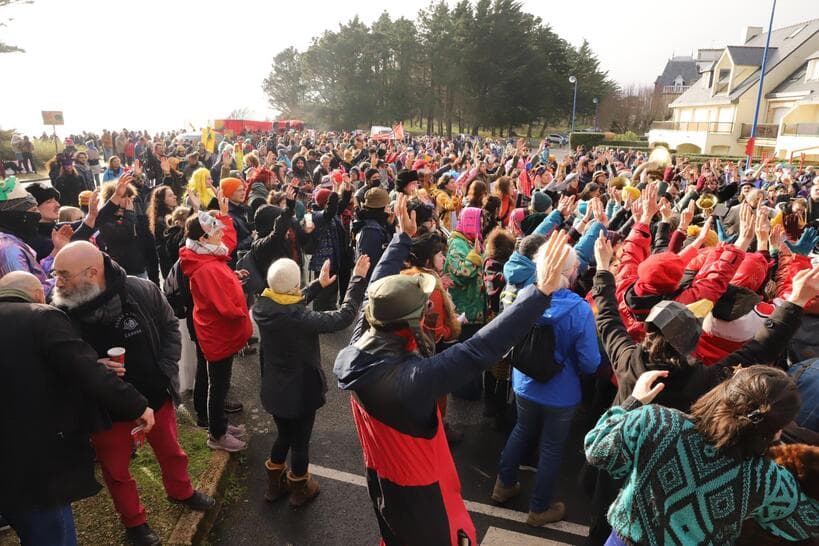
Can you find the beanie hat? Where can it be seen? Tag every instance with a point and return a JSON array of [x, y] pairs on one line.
[[404, 179], [43, 193], [752, 272], [470, 222], [541, 201], [320, 196], [659, 274], [85, 197], [419, 164], [265, 218], [376, 198], [398, 298], [284, 276], [14, 197], [230, 185]]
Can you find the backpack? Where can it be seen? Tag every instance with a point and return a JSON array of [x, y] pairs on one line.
[[534, 355], [178, 291]]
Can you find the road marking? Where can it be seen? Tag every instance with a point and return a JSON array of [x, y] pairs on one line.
[[472, 506], [502, 537]]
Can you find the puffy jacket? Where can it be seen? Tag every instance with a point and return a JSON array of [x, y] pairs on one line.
[[410, 472], [16, 255], [465, 266], [576, 348], [220, 314]]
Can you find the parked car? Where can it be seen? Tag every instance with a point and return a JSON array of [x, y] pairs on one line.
[[557, 138]]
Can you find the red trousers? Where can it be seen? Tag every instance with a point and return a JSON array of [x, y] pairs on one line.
[[113, 449]]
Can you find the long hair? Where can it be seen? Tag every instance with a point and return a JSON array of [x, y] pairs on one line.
[[658, 349], [157, 207], [741, 416], [476, 194]]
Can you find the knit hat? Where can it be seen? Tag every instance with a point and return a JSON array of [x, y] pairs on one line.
[[13, 196], [376, 198], [470, 222], [284, 276], [752, 272], [679, 326], [398, 298], [85, 197], [230, 185], [541, 201], [659, 274], [43, 193], [265, 218], [404, 179], [320, 196]]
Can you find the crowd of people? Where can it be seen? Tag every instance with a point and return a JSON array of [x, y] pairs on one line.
[[676, 300]]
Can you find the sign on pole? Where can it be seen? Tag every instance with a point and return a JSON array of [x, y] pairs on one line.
[[52, 117]]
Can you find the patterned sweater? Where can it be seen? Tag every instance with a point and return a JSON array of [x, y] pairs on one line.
[[680, 490]]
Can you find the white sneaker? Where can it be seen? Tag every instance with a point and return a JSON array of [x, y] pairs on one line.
[[228, 442]]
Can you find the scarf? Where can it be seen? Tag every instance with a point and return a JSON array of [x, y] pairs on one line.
[[284, 299], [206, 248]]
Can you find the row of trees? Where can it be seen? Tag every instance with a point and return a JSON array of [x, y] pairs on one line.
[[487, 65]]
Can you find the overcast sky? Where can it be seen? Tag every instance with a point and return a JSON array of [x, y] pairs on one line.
[[159, 64]]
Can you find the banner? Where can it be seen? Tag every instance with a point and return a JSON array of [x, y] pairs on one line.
[[209, 139], [52, 117]]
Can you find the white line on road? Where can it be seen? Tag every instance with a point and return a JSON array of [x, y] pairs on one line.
[[503, 537], [472, 506]]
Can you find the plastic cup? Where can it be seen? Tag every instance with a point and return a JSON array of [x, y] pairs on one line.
[[117, 354]]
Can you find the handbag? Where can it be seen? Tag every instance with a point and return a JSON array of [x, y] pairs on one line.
[[534, 355], [255, 282]]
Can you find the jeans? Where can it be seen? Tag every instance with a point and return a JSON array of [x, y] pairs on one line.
[[218, 385], [45, 527], [294, 436], [806, 376], [200, 387], [552, 425]]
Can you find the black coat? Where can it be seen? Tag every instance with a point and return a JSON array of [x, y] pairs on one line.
[[70, 186], [293, 383], [51, 393], [683, 385]]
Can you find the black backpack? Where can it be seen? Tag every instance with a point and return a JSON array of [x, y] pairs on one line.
[[178, 291], [534, 355]]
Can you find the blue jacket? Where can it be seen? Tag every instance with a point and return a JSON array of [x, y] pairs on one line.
[[575, 346]]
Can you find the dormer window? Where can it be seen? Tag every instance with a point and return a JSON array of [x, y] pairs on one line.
[[678, 81], [723, 79], [812, 72]]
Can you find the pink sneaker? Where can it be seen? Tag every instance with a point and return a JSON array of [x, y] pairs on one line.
[[228, 443], [237, 431]]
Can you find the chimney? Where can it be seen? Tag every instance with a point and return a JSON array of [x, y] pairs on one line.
[[749, 33]]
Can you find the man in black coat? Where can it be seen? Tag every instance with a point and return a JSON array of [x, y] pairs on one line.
[[112, 309], [51, 391]]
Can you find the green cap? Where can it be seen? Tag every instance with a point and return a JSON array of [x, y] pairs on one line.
[[398, 298]]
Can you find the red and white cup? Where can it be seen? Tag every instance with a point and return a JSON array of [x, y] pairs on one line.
[[117, 354]]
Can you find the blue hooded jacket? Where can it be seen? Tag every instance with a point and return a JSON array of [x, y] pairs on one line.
[[575, 346]]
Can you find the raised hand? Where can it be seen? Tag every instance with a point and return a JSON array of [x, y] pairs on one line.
[[325, 279], [763, 226], [554, 258], [223, 202], [649, 203], [687, 216], [806, 243], [566, 205], [603, 252], [165, 165], [61, 237], [599, 211], [747, 222], [805, 286], [362, 266], [645, 389]]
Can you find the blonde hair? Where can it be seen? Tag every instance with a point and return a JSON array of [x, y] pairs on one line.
[[70, 214]]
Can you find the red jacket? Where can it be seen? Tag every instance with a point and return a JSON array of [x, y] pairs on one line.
[[710, 283], [220, 314]]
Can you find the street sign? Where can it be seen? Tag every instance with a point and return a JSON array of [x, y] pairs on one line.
[[52, 117]]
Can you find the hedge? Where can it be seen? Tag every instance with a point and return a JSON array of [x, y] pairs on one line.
[[586, 139]]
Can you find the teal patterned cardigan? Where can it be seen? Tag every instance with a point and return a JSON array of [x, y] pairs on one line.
[[680, 490]]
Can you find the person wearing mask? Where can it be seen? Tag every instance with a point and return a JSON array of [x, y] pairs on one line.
[[45, 360], [293, 382], [372, 179], [111, 309], [220, 316], [397, 382]]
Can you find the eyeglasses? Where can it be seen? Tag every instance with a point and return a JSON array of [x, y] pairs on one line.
[[67, 276]]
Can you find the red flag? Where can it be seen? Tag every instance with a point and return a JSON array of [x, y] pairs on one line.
[[749, 148]]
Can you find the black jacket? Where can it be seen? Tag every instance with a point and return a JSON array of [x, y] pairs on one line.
[[683, 385], [51, 392], [70, 186], [293, 382]]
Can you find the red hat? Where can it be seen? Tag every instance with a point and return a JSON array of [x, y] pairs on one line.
[[752, 272], [659, 274], [320, 196], [419, 164]]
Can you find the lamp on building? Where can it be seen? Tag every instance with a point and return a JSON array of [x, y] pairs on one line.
[[573, 80], [596, 106]]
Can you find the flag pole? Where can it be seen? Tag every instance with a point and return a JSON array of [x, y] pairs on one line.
[[752, 139]]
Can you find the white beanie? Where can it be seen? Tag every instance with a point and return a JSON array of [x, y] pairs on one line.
[[284, 276]]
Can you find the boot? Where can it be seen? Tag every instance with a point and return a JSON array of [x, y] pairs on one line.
[[302, 489], [502, 493], [276, 481], [552, 514]]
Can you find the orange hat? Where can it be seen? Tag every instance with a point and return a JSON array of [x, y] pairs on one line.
[[230, 185]]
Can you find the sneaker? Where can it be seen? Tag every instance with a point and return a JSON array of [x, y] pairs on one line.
[[142, 535], [253, 340], [237, 431], [227, 443], [198, 501], [247, 350], [501, 493], [555, 513], [233, 407]]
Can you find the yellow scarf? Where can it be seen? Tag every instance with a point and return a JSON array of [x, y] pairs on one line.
[[284, 299]]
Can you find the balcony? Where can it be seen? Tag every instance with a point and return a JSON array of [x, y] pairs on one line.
[[801, 129], [675, 89], [695, 126], [763, 130]]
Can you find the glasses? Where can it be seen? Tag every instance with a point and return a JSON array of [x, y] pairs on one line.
[[62, 275]]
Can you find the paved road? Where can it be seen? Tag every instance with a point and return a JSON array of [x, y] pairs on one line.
[[342, 513]]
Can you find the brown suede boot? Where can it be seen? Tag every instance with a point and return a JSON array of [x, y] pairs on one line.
[[276, 481], [302, 489]]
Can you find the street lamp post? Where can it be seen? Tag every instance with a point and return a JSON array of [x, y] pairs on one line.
[[573, 80], [596, 106]]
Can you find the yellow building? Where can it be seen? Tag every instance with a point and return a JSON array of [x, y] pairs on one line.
[[714, 116]]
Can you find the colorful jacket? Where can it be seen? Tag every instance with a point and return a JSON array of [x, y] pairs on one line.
[[464, 267], [679, 489], [15, 255]]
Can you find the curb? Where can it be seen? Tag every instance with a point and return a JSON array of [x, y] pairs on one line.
[[193, 526]]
